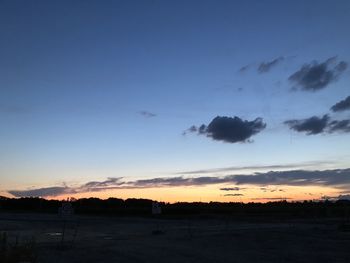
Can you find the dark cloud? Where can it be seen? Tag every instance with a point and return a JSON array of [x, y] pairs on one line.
[[313, 125], [168, 181], [231, 188], [257, 167], [190, 130], [266, 66], [202, 129], [229, 129], [342, 105], [234, 195], [244, 68], [271, 190], [315, 76], [339, 126], [316, 125], [147, 114], [43, 192], [181, 181], [94, 186], [342, 66], [272, 198], [338, 178]]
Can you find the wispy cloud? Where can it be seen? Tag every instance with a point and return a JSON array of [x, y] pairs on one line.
[[342, 105], [95, 186], [271, 198], [316, 76], [244, 68], [147, 114], [267, 65], [233, 194], [256, 167], [271, 190], [231, 188]]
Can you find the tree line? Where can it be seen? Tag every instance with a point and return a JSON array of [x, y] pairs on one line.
[[143, 207]]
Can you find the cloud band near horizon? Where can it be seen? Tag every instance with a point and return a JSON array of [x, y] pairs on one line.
[[337, 178]]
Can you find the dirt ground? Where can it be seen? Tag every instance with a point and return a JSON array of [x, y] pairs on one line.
[[116, 239]]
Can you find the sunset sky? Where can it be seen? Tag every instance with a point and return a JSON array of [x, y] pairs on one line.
[[175, 100]]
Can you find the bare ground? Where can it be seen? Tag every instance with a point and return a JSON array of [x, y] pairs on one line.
[[115, 239]]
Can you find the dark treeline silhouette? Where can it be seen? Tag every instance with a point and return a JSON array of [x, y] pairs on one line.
[[143, 207]]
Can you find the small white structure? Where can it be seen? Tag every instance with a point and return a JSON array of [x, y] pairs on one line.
[[66, 210], [156, 209]]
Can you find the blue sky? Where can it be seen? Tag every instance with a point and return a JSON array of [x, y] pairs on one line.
[[75, 78]]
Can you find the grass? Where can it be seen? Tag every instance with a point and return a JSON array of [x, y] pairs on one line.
[[17, 253]]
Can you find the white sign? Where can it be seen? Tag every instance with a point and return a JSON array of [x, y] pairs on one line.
[[156, 210], [66, 210]]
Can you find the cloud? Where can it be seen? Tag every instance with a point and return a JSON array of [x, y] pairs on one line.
[[337, 178], [272, 198], [316, 125], [266, 66], [256, 167], [313, 125], [43, 192], [342, 105], [339, 126], [342, 66], [233, 194], [229, 129], [178, 181], [244, 68], [147, 114], [271, 190], [94, 186], [231, 188], [315, 76]]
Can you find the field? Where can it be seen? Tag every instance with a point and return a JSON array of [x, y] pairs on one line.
[[186, 239]]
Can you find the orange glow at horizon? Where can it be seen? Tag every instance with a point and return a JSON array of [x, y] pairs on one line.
[[212, 193]]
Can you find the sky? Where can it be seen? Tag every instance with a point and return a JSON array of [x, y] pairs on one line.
[[232, 101]]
